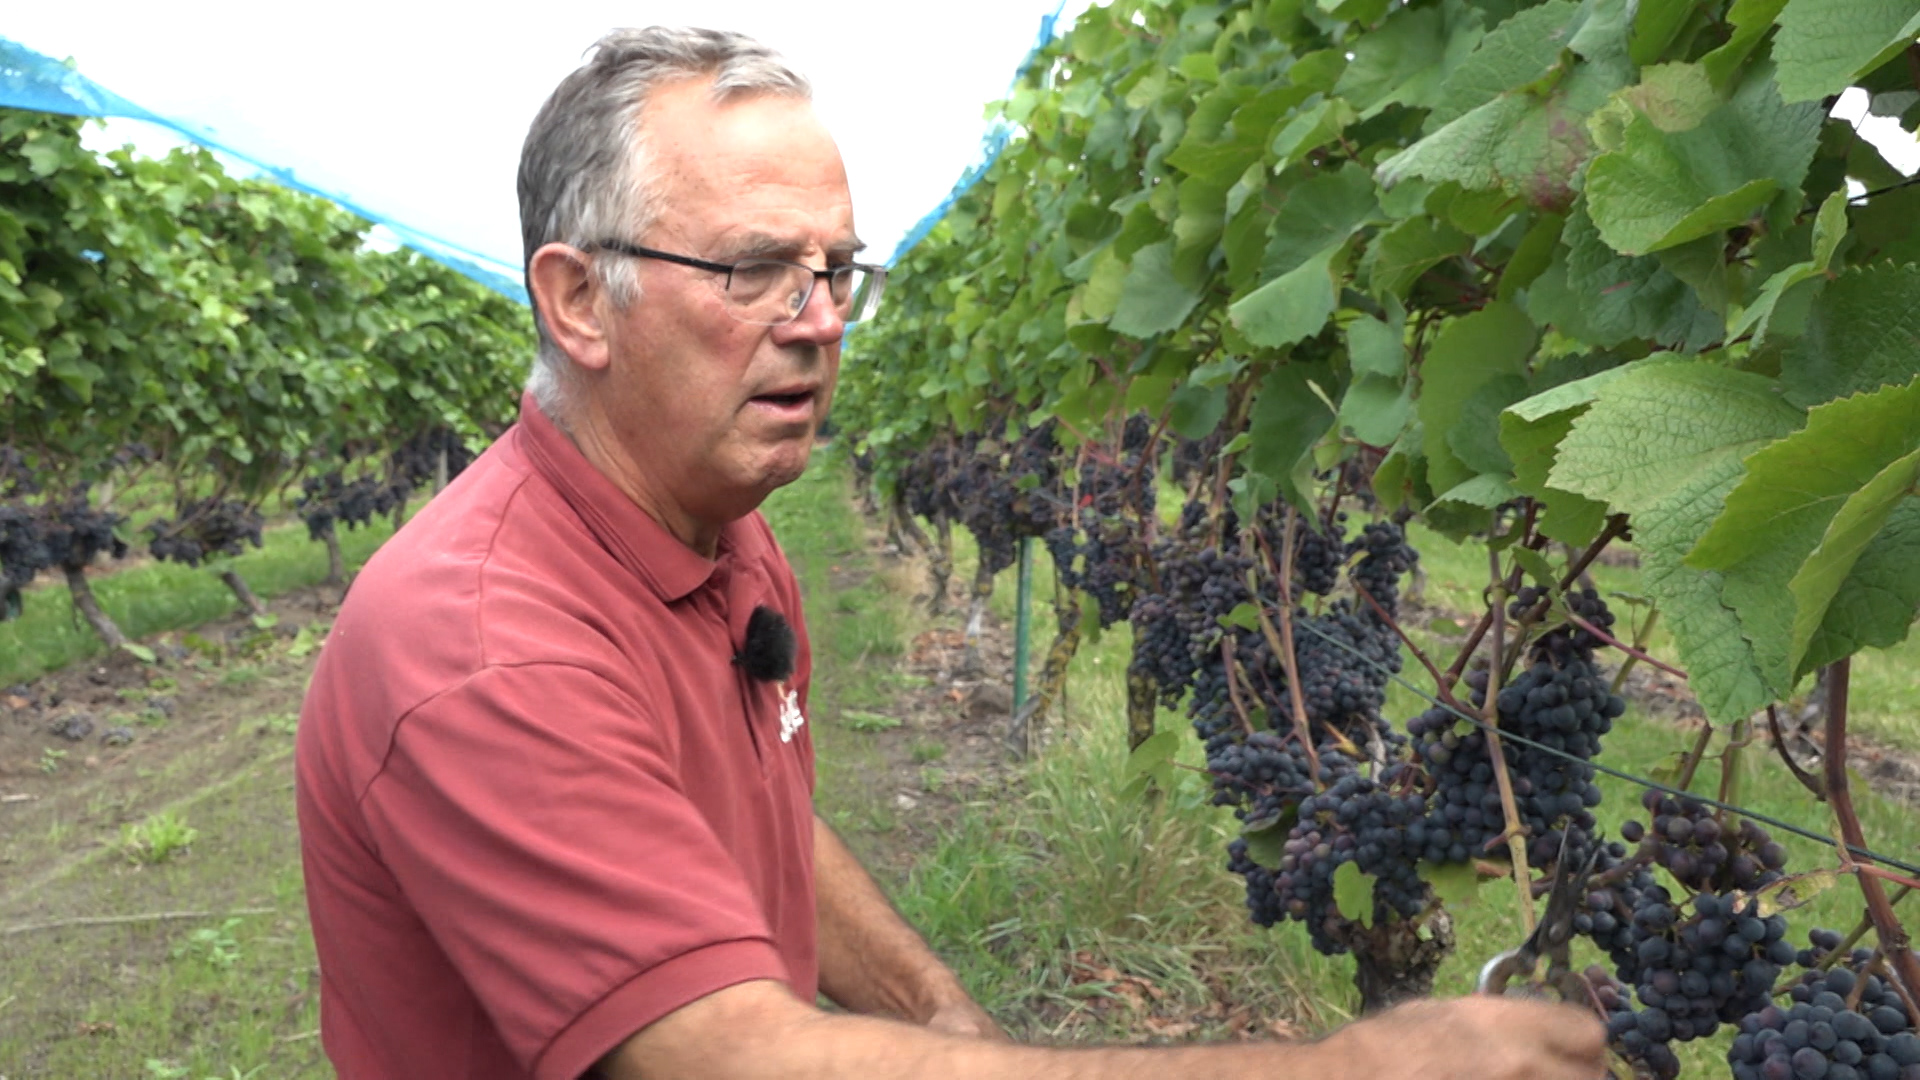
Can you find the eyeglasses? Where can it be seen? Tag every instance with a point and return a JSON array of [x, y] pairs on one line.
[[773, 292]]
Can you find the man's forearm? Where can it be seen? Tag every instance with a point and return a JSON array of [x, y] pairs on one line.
[[871, 961]]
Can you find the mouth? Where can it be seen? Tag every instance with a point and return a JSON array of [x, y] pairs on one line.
[[788, 403]]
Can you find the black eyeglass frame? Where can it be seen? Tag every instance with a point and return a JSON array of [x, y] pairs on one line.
[[878, 273]]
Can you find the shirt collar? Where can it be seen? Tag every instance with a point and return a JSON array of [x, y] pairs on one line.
[[638, 542]]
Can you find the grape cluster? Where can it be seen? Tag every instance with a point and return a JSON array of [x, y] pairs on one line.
[[1699, 852], [416, 462], [204, 529], [1694, 973], [23, 554], [1004, 495], [1353, 819], [1650, 1057], [75, 533], [1561, 708], [330, 498], [1568, 639], [1842, 1024], [1176, 630], [1096, 543]]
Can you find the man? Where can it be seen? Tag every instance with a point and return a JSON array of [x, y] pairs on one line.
[[550, 826]]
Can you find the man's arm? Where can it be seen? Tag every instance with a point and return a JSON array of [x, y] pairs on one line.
[[760, 1031], [871, 961]]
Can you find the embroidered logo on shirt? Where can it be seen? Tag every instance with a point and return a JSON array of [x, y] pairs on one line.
[[790, 718]]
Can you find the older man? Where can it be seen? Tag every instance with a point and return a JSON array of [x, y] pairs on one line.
[[551, 823]]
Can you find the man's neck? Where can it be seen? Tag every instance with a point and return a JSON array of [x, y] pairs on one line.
[[594, 438]]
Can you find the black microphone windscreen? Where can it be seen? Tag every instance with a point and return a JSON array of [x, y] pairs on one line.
[[768, 654]]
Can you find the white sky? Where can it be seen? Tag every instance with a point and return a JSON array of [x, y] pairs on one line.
[[417, 110]]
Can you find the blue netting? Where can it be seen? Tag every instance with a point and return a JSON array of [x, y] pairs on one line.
[[29, 80]]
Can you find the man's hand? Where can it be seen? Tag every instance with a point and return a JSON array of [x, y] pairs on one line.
[[1486, 1038], [966, 1019]]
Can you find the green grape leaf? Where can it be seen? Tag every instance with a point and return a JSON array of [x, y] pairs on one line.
[[1856, 526], [1353, 893], [1152, 300], [1519, 51], [1824, 45], [1377, 348], [1662, 188], [1475, 439], [1293, 306], [1289, 415], [1376, 409], [1405, 59], [1876, 604], [1596, 295], [1402, 253], [1197, 410], [1750, 19], [1808, 475], [1654, 425], [1468, 353], [1318, 213], [1860, 335], [1486, 492]]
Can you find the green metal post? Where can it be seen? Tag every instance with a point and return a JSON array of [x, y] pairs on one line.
[[1023, 625]]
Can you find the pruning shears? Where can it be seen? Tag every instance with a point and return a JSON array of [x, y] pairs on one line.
[[1552, 938]]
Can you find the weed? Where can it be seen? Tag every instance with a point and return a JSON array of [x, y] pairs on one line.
[[309, 638], [927, 750], [285, 723], [50, 759], [869, 721], [162, 1069], [214, 944], [162, 684], [240, 675], [152, 717], [932, 779], [158, 838]]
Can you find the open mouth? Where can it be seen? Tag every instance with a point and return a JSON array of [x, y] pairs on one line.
[[798, 397]]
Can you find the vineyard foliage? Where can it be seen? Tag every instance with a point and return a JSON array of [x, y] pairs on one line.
[[167, 327], [1612, 258]]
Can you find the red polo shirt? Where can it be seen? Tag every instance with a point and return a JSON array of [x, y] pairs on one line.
[[540, 807]]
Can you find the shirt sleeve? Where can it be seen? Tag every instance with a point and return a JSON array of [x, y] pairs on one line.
[[536, 820]]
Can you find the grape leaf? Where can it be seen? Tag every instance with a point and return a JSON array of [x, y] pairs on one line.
[[1288, 417], [1353, 893], [1597, 295], [1457, 885], [1467, 353], [1519, 51], [1751, 20], [1405, 59], [1402, 253], [1808, 475], [1824, 45], [1859, 335], [1855, 527], [1655, 424], [1876, 604], [1318, 213], [1662, 188], [1376, 409], [1293, 306], [1152, 300]]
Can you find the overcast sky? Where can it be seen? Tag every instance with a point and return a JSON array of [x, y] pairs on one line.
[[417, 110]]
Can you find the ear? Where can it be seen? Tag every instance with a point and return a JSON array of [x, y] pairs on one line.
[[565, 293]]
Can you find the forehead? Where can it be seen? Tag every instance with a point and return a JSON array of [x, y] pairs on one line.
[[761, 164]]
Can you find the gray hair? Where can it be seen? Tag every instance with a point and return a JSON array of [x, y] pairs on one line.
[[584, 169]]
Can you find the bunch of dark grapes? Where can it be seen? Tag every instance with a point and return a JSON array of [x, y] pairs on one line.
[[1097, 544], [1176, 630], [205, 529], [1841, 1024], [327, 499], [1564, 709], [16, 474], [1383, 558], [1006, 495], [1354, 819], [23, 554], [75, 534], [1699, 852], [1193, 458], [1261, 777], [416, 462], [1626, 1032], [1568, 639], [927, 478]]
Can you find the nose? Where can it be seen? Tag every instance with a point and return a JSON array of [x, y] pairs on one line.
[[819, 322]]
